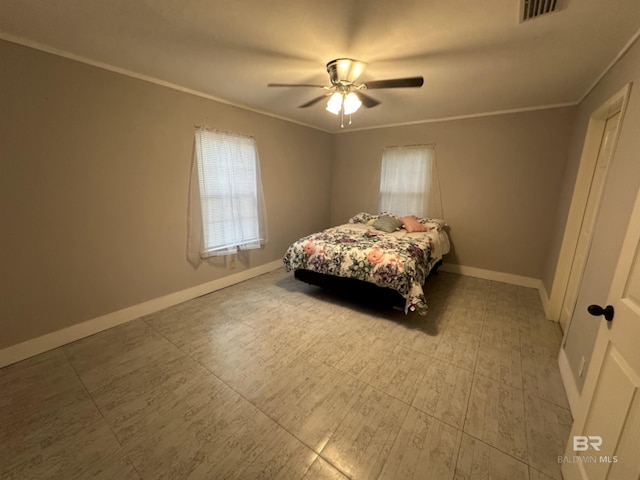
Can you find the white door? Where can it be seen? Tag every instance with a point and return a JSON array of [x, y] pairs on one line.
[[604, 442], [605, 154]]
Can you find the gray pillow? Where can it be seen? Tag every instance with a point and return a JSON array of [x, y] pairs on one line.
[[387, 223]]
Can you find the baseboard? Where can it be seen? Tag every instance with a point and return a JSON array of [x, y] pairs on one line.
[[544, 299], [570, 387], [49, 341], [492, 275]]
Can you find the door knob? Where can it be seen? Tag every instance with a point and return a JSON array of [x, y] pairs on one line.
[[597, 310]]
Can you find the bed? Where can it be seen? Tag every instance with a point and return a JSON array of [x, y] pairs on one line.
[[388, 251]]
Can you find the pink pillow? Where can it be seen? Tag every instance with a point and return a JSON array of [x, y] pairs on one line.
[[411, 224]]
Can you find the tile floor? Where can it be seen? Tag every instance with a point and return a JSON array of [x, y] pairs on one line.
[[274, 378]]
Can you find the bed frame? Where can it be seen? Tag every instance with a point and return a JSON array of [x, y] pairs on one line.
[[357, 289]]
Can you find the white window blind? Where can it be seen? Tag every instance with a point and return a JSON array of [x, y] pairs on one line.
[[409, 182], [229, 193]]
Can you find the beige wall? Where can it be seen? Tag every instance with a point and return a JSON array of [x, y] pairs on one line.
[[94, 171], [500, 177]]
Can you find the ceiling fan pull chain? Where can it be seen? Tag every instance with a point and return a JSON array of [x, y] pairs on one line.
[[342, 119]]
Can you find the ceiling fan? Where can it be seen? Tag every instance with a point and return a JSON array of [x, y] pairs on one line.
[[345, 94]]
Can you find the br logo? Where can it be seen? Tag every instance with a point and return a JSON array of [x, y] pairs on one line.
[[582, 443]]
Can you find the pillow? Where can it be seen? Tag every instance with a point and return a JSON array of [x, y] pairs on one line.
[[411, 224], [387, 223], [433, 222], [363, 217]]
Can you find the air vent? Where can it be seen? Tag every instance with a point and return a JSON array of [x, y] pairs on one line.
[[535, 8]]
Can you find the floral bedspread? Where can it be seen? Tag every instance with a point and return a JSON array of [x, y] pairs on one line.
[[397, 260]]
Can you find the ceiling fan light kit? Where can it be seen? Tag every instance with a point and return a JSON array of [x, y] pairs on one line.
[[334, 105], [343, 73], [346, 102], [351, 103]]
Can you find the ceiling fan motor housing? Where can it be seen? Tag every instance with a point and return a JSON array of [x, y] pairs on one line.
[[344, 71]]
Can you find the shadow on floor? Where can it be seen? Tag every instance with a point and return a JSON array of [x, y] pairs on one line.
[[377, 301]]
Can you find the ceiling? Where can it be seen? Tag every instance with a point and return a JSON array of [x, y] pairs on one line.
[[476, 57]]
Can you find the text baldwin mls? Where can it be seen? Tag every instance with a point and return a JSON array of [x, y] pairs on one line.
[[588, 459]]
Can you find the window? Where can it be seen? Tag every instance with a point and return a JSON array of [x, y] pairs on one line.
[[409, 182], [226, 191]]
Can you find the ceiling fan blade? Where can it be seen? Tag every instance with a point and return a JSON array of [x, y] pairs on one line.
[[396, 83], [294, 85], [312, 101], [367, 101]]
